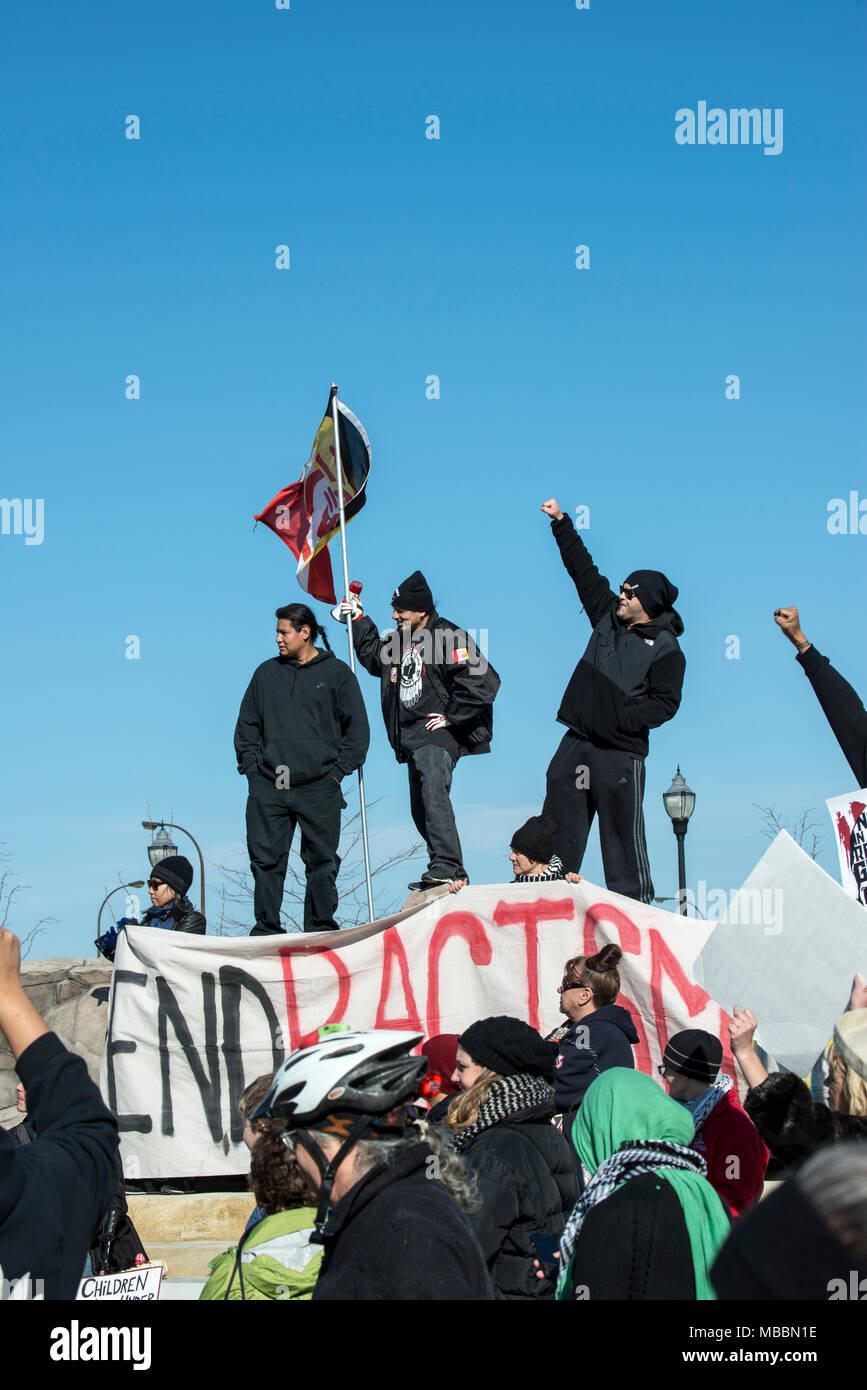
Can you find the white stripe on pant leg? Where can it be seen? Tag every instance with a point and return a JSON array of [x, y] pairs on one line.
[[641, 849], [648, 885]]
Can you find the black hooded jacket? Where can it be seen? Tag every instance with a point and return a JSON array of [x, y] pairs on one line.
[[629, 679], [309, 719], [399, 1235], [601, 1040]]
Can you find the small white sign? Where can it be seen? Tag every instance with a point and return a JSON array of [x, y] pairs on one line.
[[141, 1284]]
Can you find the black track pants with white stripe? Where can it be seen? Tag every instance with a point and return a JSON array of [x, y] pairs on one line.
[[585, 782]]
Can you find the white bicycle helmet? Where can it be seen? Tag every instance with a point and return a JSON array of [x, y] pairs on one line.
[[351, 1073]]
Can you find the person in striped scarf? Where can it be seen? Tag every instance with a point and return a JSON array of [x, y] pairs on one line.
[[532, 855]]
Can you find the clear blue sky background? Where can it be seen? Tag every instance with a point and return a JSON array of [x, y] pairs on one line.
[[412, 257]]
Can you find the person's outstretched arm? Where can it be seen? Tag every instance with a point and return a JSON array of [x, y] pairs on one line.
[[841, 704], [594, 591], [741, 1030]]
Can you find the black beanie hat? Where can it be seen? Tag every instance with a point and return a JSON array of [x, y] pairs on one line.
[[535, 839], [413, 594], [508, 1045], [176, 871], [654, 591], [694, 1053]]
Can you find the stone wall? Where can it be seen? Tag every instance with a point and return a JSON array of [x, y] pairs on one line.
[[72, 997]]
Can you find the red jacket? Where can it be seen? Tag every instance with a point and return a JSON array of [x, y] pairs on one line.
[[735, 1155]]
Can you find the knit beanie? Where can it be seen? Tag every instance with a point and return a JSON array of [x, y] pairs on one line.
[[694, 1053], [535, 839], [654, 592], [508, 1045], [413, 594], [176, 871], [442, 1055]]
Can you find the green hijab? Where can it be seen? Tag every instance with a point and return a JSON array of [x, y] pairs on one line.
[[623, 1106]]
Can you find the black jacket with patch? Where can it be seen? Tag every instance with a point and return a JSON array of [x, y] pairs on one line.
[[399, 1235], [629, 679], [467, 684], [308, 719], [603, 1039]]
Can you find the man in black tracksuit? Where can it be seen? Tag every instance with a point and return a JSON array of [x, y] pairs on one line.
[[301, 729], [628, 682], [436, 692]]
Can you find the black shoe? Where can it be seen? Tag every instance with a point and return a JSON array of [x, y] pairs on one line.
[[260, 930], [424, 885]]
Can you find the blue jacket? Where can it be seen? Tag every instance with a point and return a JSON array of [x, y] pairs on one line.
[[603, 1039]]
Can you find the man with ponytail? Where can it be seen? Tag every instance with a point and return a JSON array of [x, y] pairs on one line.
[[301, 729]]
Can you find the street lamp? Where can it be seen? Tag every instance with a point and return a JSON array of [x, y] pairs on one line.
[[135, 883], [161, 847], [679, 802]]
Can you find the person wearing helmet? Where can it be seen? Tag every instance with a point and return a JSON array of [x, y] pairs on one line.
[[389, 1199]]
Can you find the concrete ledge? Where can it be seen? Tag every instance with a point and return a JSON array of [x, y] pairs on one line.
[[189, 1258], [194, 1216]]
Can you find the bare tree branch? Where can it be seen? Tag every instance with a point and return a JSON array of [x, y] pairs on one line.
[[802, 830]]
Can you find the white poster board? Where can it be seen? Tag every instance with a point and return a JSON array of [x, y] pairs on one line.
[[139, 1285]]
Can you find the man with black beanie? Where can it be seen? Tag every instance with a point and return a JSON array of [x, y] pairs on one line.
[[437, 691], [628, 681]]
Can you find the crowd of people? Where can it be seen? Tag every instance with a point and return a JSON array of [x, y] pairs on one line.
[[494, 1164]]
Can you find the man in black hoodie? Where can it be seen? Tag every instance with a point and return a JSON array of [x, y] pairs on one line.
[[628, 682], [53, 1190], [302, 728]]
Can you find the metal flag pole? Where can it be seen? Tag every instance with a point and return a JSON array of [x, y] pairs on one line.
[[338, 464]]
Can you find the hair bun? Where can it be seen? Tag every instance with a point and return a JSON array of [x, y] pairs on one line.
[[607, 959]]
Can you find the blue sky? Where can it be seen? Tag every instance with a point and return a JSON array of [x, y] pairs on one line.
[[412, 257]]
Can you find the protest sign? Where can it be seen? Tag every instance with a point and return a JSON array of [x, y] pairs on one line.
[[849, 815], [139, 1285], [193, 1020]]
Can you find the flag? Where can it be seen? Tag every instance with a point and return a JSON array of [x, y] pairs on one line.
[[306, 514]]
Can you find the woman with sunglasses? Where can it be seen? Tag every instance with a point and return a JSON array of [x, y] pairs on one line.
[[598, 1033], [170, 909]]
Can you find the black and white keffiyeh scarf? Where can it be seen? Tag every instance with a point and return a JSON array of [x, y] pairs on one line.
[[553, 872], [504, 1098], [632, 1160]]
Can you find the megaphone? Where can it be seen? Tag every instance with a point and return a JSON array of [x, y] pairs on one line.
[[355, 589]]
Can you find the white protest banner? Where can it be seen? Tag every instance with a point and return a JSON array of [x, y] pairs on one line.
[[787, 949], [195, 1019], [139, 1285], [849, 815]]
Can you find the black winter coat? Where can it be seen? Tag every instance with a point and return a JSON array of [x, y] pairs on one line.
[[468, 689], [54, 1191], [629, 679], [186, 918], [399, 1235], [603, 1039], [528, 1183], [635, 1245]]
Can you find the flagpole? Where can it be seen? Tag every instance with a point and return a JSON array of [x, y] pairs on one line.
[[338, 465]]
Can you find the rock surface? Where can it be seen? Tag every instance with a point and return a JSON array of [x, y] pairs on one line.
[[72, 997]]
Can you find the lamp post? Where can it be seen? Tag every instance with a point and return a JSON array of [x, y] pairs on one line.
[[134, 883], [161, 847], [679, 802]]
